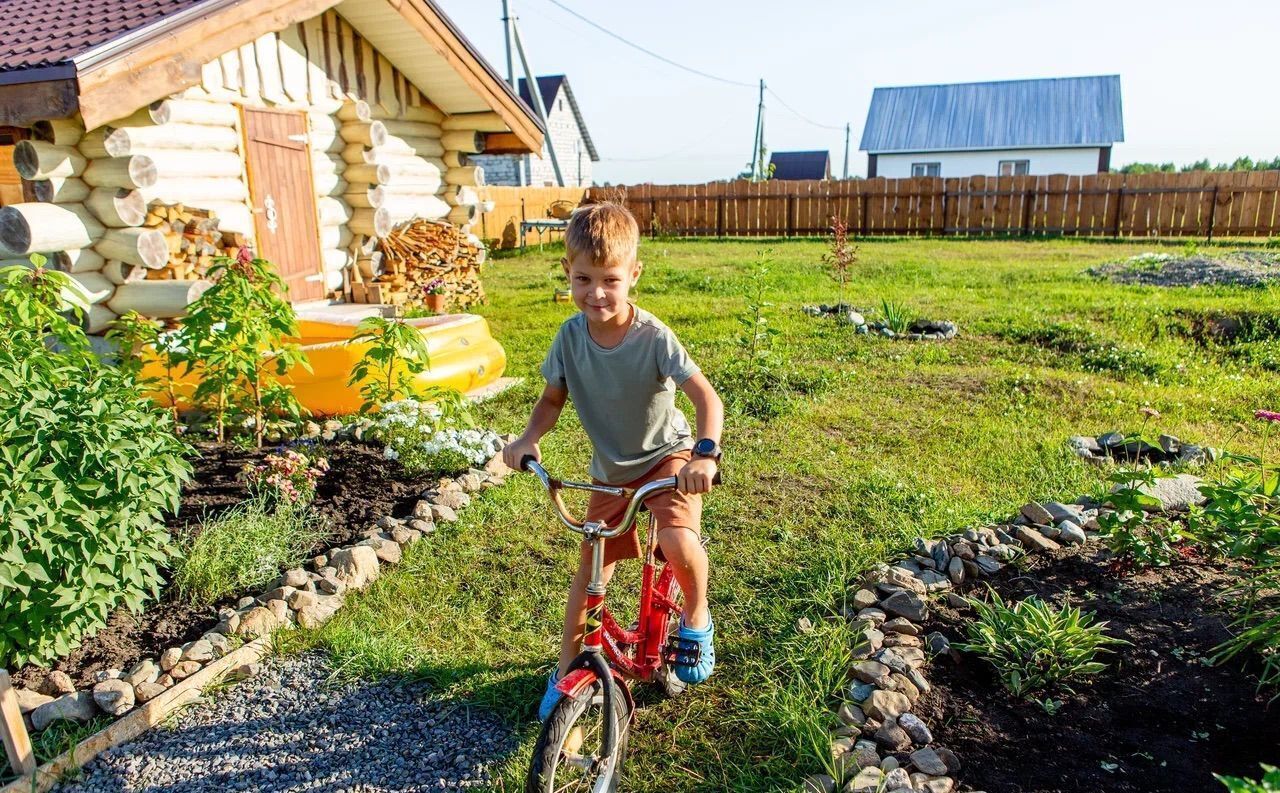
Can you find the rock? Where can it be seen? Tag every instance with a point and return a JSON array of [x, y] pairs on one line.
[[330, 585], [422, 509], [57, 683], [295, 577], [29, 700], [221, 646], [873, 615], [942, 784], [244, 671], [389, 522], [169, 658], [145, 692], [388, 553], [1036, 513], [1175, 493], [902, 640], [911, 656], [246, 602], [872, 672], [885, 704], [937, 644], [957, 601], [470, 483], [865, 754], [300, 600], [1072, 534], [934, 582], [496, 467], [452, 499], [868, 779], [897, 778], [891, 737], [1085, 443], [949, 758], [963, 550], [184, 669], [320, 612], [280, 610], [818, 783], [905, 579], [903, 685], [987, 565], [916, 728], [955, 570], [1169, 444], [1060, 512], [917, 679], [256, 622], [78, 706], [422, 526], [900, 625], [200, 651], [440, 512], [107, 674], [859, 692], [928, 761], [1035, 541], [356, 566], [1190, 454], [1111, 440], [165, 680], [115, 697], [868, 642], [865, 598], [905, 604], [850, 714]]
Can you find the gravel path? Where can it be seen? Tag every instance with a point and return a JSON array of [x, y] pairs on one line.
[[289, 730], [1234, 268]]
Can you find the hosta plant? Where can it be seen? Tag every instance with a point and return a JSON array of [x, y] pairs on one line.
[[397, 353], [87, 467], [1270, 782], [1035, 646]]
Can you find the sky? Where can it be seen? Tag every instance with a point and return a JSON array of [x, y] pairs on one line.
[[1197, 78]]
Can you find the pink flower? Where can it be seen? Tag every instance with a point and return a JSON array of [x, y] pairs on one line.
[[1267, 415], [1150, 412]]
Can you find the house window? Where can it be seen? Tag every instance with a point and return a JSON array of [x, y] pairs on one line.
[[1014, 167], [926, 169], [560, 104]]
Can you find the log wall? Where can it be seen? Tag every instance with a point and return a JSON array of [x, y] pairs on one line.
[[379, 156]]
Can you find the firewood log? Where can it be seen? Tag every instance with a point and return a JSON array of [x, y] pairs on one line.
[[28, 228], [139, 246]]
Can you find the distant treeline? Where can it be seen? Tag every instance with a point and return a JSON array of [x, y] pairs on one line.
[[1240, 164]]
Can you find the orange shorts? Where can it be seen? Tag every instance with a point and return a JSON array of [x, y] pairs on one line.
[[668, 509]]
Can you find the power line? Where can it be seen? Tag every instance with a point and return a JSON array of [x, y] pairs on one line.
[[799, 115], [649, 52]]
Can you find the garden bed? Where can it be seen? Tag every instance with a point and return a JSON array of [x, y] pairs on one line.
[[361, 486], [1161, 717], [1231, 268]]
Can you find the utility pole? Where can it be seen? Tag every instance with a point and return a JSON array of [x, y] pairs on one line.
[[757, 143], [535, 93], [846, 150], [507, 22]]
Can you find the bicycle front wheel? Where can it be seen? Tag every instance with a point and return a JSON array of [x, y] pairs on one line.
[[570, 756]]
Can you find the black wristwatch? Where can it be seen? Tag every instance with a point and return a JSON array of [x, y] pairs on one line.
[[705, 447]]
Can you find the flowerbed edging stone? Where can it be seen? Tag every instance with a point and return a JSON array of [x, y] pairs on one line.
[[882, 747], [301, 597]]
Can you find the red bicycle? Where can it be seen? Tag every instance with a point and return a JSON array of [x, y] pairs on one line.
[[583, 742]]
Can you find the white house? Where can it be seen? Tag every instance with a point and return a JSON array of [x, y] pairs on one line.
[[566, 130], [1063, 125]]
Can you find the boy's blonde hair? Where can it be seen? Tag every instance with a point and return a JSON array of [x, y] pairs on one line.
[[606, 232]]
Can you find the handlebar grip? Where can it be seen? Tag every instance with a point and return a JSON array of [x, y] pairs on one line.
[[524, 461]]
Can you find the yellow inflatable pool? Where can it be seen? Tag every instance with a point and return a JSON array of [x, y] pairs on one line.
[[464, 357]]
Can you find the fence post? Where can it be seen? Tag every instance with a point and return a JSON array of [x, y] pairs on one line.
[[1213, 211], [1028, 197], [944, 208], [17, 744], [862, 224]]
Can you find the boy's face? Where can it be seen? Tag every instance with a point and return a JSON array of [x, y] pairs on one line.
[[600, 289]]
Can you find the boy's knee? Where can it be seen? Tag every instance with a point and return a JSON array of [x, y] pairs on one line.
[[677, 541]]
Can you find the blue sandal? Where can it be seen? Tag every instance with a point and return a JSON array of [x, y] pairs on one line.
[[697, 651], [549, 699]]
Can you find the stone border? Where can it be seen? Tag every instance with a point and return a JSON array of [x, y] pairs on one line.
[[878, 727], [918, 330], [301, 597]]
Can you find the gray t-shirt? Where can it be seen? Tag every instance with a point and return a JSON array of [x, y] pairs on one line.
[[625, 395]]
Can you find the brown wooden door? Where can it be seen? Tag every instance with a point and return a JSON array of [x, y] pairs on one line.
[[11, 187], [283, 198]]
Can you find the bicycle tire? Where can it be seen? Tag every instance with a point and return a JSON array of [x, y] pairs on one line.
[[548, 752]]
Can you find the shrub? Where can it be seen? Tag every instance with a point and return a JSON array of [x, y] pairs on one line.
[[1034, 646], [89, 466], [243, 549], [842, 257], [397, 353], [436, 437], [288, 477], [1270, 782], [1128, 531], [232, 335]]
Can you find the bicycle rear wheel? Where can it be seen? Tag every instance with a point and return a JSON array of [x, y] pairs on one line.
[[665, 676], [570, 756]]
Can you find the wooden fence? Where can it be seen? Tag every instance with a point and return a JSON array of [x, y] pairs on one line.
[[514, 204], [1198, 204]]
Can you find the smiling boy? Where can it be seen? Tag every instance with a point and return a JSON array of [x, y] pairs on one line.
[[621, 367]]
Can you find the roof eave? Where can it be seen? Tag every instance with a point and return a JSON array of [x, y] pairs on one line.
[[1018, 147]]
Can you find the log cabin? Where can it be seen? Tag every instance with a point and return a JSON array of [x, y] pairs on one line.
[[150, 136]]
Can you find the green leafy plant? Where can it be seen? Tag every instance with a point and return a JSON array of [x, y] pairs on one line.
[[397, 353], [842, 257], [1035, 646], [1132, 535], [233, 335], [1269, 783], [243, 549], [288, 477], [895, 316], [87, 468]]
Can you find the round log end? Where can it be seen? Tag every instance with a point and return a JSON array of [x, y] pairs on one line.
[[143, 171], [26, 161], [377, 134], [160, 111], [42, 189], [43, 130], [382, 222], [153, 248], [15, 232]]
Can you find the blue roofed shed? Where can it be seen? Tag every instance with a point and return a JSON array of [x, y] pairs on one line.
[[801, 164], [1010, 127]]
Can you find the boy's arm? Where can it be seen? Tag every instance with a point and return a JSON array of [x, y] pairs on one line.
[[543, 418], [697, 474]]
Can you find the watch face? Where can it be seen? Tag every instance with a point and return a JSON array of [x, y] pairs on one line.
[[705, 448]]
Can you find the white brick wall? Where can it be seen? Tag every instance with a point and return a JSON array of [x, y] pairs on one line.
[[571, 148]]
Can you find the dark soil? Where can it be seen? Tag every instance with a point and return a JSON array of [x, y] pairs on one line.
[[1161, 716], [360, 487]]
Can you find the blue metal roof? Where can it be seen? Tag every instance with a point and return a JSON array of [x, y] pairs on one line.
[[1063, 111], [801, 164]]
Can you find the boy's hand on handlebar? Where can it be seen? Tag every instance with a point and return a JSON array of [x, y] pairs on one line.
[[697, 476], [515, 451]]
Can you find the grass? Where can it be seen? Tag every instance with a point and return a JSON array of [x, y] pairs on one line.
[[243, 549], [903, 439]]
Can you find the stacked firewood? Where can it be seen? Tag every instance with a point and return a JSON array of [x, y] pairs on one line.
[[193, 239], [417, 254]]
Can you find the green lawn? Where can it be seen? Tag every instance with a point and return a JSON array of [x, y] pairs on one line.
[[905, 439]]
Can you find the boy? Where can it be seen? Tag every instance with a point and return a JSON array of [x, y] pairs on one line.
[[621, 367]]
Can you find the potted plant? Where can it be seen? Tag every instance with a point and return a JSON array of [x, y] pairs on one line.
[[434, 296]]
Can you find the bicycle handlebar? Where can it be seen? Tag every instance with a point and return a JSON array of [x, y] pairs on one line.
[[637, 496]]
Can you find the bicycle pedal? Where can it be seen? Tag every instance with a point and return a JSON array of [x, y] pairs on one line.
[[682, 652]]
